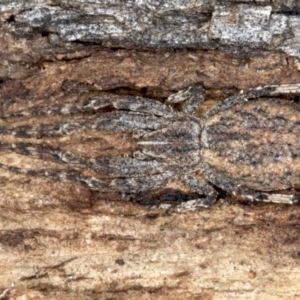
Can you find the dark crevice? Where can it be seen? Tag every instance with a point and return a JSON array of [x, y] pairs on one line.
[[11, 19], [296, 99], [41, 31], [45, 33], [34, 277], [128, 47], [162, 196], [152, 93], [88, 43], [67, 59], [294, 11]]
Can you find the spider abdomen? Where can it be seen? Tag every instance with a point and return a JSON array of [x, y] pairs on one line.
[[255, 144]]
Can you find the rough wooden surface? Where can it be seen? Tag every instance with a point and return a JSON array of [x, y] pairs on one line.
[[163, 24], [119, 251], [59, 239]]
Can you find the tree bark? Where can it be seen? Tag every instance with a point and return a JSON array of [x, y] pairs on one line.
[[59, 239]]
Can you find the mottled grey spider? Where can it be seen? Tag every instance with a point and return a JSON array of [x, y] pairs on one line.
[[248, 145]]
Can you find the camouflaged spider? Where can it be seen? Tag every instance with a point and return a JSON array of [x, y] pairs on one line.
[[247, 145]]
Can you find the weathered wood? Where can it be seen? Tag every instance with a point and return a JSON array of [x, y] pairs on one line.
[[60, 239], [163, 24], [122, 251]]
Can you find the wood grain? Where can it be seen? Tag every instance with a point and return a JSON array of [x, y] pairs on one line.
[[60, 240]]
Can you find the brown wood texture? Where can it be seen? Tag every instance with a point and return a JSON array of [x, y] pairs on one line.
[[60, 240]]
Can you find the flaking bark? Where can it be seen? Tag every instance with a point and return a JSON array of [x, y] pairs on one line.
[[59, 239]]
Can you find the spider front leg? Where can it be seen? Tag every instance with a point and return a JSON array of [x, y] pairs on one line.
[[125, 103], [201, 187], [124, 121], [89, 181], [116, 121], [193, 97], [121, 185], [106, 166], [75, 124]]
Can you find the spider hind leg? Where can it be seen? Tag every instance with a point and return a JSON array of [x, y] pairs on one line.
[[193, 97], [269, 197]]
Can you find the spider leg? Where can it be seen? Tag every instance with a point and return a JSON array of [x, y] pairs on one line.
[[141, 184], [126, 122], [106, 166], [127, 103], [46, 153], [127, 167], [115, 121], [142, 105], [193, 96], [122, 185], [246, 193], [267, 197], [38, 131], [242, 96], [200, 187], [89, 181]]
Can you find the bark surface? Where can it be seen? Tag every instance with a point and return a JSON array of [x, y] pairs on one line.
[[59, 239]]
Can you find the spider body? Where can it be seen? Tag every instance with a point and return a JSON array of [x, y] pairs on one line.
[[255, 144], [247, 145]]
